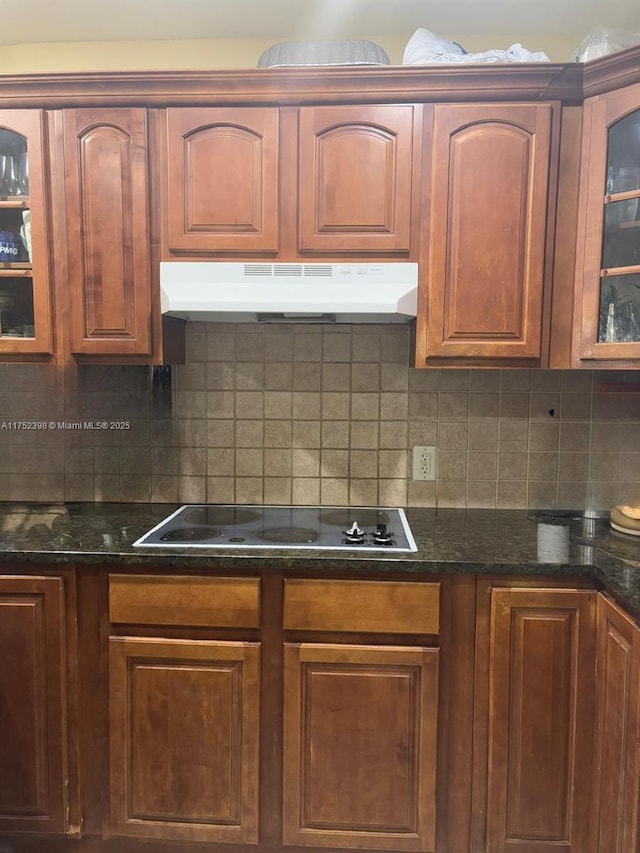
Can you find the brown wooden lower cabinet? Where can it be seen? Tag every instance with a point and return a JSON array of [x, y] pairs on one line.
[[184, 722], [617, 738], [249, 719], [540, 720], [360, 733], [34, 763]]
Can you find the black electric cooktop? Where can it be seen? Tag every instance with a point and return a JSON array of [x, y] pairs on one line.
[[312, 527]]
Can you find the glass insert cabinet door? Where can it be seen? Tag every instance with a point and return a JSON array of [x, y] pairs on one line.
[[25, 309], [619, 308]]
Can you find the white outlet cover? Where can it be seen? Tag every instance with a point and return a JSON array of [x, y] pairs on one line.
[[424, 463]]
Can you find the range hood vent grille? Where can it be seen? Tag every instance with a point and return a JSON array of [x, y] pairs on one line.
[[260, 270], [289, 270]]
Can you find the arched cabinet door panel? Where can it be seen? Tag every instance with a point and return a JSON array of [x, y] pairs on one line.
[[108, 240], [355, 179], [483, 294], [222, 180]]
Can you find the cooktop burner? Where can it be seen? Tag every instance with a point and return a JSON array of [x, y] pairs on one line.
[[289, 535], [318, 528], [190, 534], [221, 515], [343, 517]]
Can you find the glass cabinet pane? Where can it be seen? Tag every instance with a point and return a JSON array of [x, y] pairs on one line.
[[17, 315], [623, 154], [621, 240], [14, 164], [619, 319], [16, 308]]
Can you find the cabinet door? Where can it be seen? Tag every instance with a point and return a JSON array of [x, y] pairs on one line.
[[355, 175], [108, 239], [540, 726], [360, 746], [482, 297], [184, 739], [25, 298], [222, 180], [33, 736], [631, 809], [617, 747], [607, 318]]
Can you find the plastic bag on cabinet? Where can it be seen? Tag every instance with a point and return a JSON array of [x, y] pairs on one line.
[[426, 48], [602, 41]]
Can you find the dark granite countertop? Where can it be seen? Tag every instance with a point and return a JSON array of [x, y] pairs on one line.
[[477, 541]]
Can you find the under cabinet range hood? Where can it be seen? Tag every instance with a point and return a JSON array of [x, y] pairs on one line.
[[289, 292]]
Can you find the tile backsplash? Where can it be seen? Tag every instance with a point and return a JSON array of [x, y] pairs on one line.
[[318, 414]]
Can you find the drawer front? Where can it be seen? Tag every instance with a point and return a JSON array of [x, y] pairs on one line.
[[197, 601], [378, 607]]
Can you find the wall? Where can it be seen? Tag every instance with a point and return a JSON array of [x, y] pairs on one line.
[[319, 414], [218, 53]]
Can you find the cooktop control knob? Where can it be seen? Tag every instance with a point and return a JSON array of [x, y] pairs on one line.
[[353, 535], [381, 535]]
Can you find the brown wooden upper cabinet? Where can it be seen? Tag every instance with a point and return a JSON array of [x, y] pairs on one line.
[[483, 254], [25, 294], [289, 182], [607, 297], [108, 237], [222, 180], [355, 179]]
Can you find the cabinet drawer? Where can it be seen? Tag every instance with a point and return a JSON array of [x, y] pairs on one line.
[[378, 607], [168, 600]]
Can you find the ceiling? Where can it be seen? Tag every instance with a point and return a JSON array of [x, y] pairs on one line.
[[38, 21]]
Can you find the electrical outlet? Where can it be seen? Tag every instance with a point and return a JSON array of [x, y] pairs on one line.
[[424, 463]]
